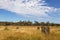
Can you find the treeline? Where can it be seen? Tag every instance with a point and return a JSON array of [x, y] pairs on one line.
[[28, 23]]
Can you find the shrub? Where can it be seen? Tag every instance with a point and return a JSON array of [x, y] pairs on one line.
[[38, 28]]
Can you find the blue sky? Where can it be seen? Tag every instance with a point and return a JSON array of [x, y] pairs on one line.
[[33, 10], [54, 3]]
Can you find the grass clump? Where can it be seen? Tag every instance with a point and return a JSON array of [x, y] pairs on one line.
[[6, 28]]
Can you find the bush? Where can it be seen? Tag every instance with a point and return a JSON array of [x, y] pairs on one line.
[[38, 28]]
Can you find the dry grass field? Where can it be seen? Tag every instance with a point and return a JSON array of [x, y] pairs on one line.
[[28, 33]]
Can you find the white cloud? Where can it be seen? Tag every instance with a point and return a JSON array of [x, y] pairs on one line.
[[31, 8]]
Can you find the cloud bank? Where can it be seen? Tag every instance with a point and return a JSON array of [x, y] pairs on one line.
[[28, 8]]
